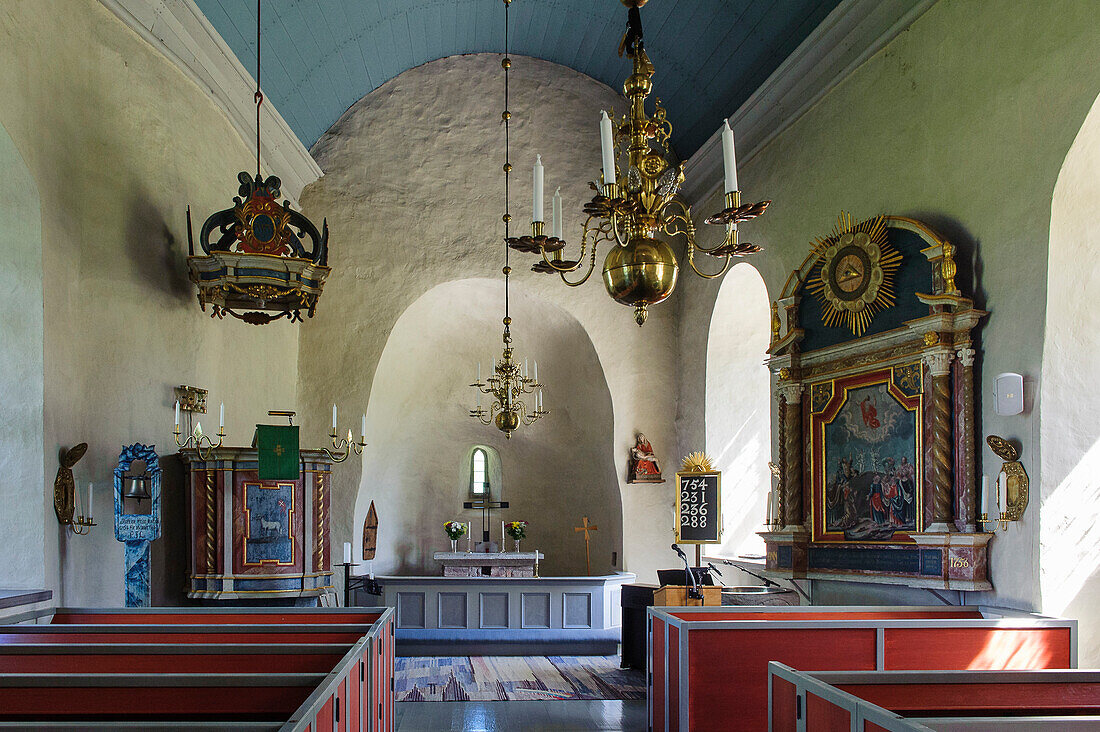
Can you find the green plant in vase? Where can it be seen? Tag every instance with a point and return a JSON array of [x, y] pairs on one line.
[[455, 530], [517, 530]]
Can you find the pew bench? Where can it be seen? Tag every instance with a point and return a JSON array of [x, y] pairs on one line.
[[219, 668], [708, 667], [937, 701]]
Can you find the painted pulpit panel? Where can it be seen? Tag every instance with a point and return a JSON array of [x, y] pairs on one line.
[[269, 511], [866, 456]]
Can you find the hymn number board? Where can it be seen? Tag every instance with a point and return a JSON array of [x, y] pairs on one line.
[[699, 508]]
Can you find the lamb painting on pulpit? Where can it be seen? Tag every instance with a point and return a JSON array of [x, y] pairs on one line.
[[869, 449]]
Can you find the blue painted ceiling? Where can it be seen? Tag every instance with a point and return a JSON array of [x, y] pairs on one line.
[[321, 56]]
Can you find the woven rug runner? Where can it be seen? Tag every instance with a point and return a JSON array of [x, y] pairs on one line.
[[515, 678]]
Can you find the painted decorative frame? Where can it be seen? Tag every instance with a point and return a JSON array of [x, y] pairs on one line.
[[883, 461], [281, 505]]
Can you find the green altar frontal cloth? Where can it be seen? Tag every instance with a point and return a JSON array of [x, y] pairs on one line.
[[277, 446]]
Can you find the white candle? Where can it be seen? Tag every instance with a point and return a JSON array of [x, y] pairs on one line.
[[333, 417], [536, 209], [1002, 492], [479, 398], [525, 371], [90, 500], [370, 568], [221, 415], [347, 552], [479, 372], [536, 372], [502, 536], [729, 156], [985, 497], [177, 413], [556, 213], [607, 147], [363, 429]]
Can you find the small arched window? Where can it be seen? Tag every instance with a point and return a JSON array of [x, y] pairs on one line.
[[479, 473]]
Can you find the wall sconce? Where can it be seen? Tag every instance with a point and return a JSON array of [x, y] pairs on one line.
[[191, 399], [344, 446], [66, 499], [1012, 485]]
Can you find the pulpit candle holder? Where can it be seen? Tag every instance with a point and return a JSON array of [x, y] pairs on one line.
[[343, 446], [200, 443]]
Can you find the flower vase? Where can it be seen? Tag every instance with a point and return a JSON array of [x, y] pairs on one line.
[[517, 546], [454, 546]]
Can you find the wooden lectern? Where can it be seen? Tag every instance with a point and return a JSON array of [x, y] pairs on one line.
[[677, 596]]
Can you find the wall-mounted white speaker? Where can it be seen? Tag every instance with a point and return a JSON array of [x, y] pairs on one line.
[[1008, 394]]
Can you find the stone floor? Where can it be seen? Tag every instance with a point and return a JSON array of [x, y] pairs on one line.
[[512, 716]]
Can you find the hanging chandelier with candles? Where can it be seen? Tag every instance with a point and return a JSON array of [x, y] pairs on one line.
[[640, 270], [257, 269], [509, 382]]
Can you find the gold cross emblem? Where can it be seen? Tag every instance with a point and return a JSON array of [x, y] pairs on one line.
[[279, 450]]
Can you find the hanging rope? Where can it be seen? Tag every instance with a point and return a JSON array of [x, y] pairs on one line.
[[259, 95]]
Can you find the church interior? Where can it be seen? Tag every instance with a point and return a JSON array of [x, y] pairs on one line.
[[577, 364]]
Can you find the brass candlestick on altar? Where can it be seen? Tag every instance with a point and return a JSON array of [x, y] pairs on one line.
[[586, 527]]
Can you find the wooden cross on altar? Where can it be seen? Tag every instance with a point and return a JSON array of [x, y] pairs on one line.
[[587, 527], [486, 506]]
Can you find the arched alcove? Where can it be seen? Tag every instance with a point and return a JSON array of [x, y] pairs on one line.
[[1069, 488], [22, 520], [418, 430], [738, 405]]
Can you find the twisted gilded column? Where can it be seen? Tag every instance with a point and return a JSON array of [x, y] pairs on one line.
[[211, 535], [967, 498], [320, 521], [943, 514], [790, 456]]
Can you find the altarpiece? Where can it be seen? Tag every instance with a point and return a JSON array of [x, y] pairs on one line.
[[872, 353]]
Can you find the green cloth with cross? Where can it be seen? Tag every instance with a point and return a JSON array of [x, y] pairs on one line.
[[277, 446]]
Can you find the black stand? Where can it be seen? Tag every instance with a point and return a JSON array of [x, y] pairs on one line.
[[367, 584]]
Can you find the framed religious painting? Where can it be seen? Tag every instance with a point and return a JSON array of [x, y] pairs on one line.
[[866, 456]]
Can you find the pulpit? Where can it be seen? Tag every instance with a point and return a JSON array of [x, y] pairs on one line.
[[254, 539]]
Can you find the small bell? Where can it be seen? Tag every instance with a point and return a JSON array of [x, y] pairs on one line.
[[136, 487]]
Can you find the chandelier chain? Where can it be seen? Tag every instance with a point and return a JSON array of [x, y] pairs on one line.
[[506, 63]]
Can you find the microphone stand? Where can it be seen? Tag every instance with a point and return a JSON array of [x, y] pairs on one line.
[[693, 593]]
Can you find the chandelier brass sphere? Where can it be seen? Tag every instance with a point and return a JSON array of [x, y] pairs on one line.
[[640, 274]]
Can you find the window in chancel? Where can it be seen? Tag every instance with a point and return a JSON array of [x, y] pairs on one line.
[[479, 473]]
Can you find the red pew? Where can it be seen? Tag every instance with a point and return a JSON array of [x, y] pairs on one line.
[[708, 667], [272, 668], [946, 701]]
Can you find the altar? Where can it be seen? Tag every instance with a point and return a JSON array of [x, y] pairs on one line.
[[489, 564]]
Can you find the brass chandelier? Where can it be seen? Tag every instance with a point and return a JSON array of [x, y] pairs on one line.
[[509, 382], [641, 270]]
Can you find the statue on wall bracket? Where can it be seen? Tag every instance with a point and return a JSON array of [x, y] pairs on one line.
[[644, 467], [872, 352]]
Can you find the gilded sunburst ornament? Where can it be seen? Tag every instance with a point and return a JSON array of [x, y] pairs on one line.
[[854, 273]]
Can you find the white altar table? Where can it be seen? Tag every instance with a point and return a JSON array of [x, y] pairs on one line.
[[489, 564]]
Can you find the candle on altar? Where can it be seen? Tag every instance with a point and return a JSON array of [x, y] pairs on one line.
[[729, 157]]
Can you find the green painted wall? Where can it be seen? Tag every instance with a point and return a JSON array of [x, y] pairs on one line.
[[962, 121]]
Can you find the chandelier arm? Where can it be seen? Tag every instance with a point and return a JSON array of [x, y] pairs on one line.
[[581, 281], [704, 275]]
